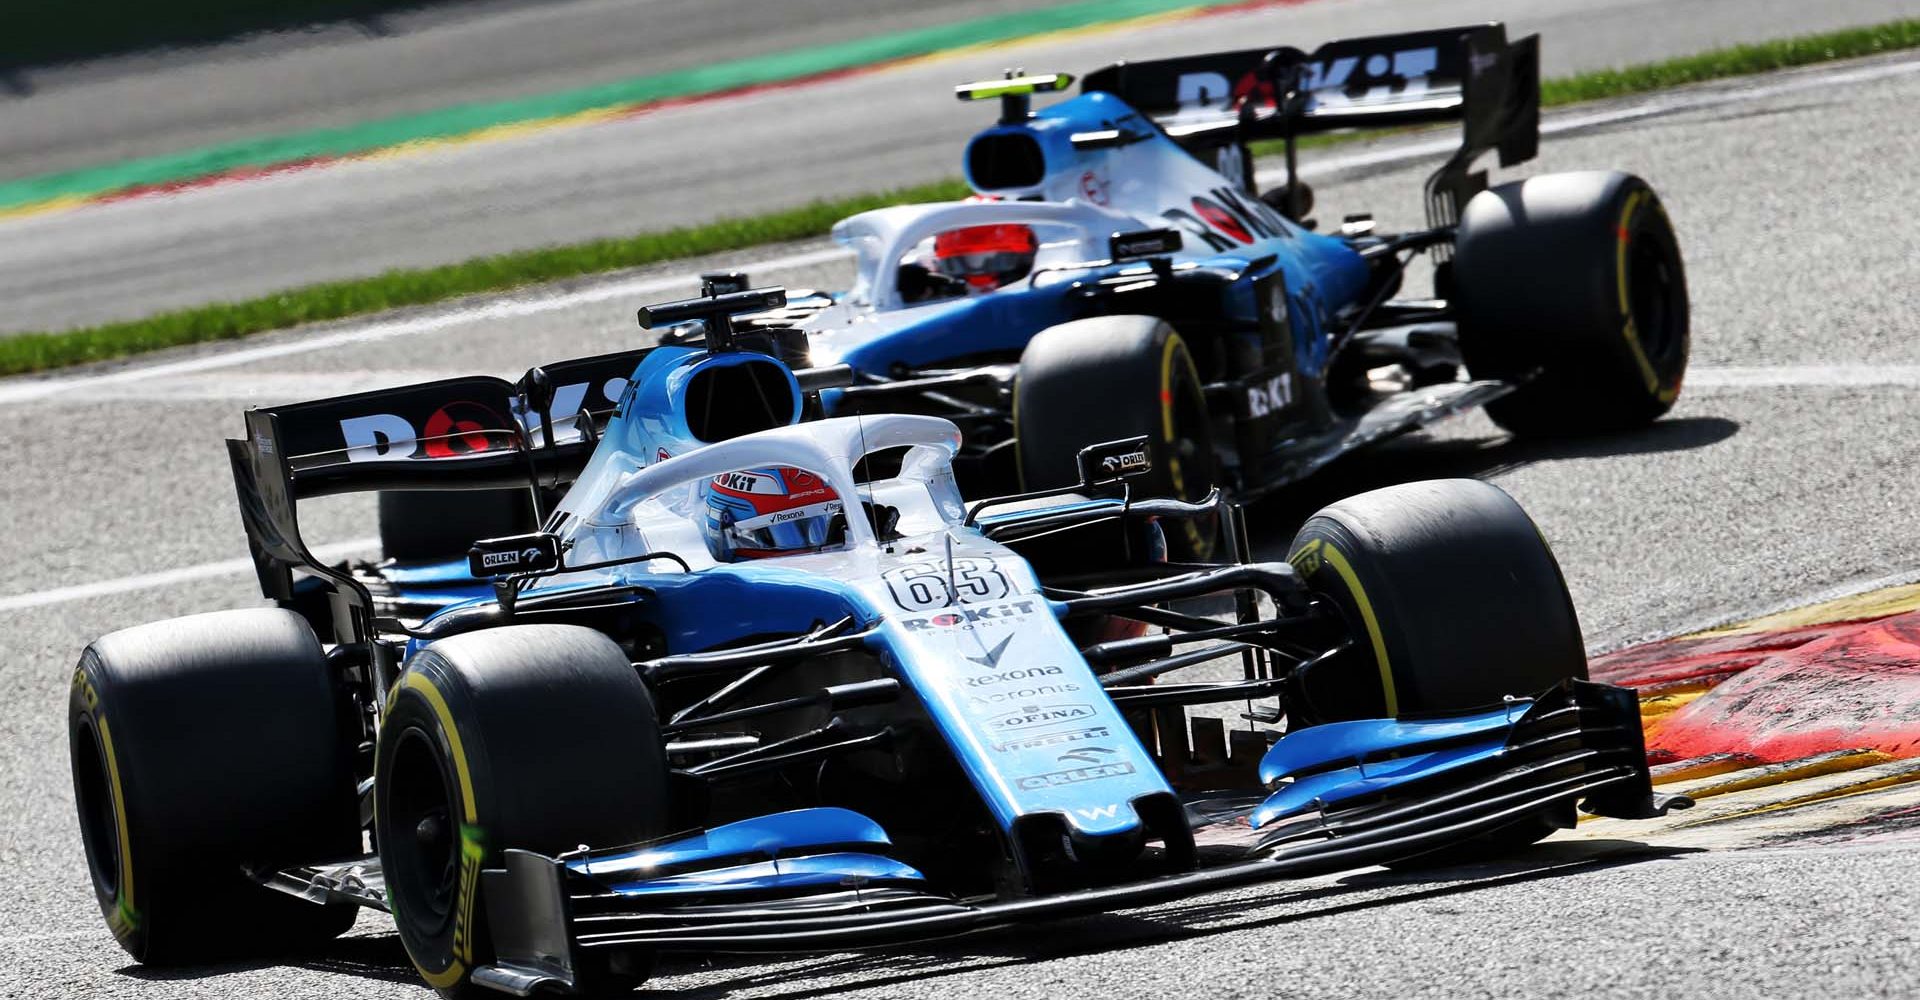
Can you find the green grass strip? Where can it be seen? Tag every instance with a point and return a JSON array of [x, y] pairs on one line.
[[40, 351], [31, 352], [466, 119], [1739, 60]]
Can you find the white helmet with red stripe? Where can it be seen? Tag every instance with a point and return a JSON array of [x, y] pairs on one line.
[[758, 513]]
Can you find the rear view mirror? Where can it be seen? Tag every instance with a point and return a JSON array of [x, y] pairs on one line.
[[1112, 461], [514, 555]]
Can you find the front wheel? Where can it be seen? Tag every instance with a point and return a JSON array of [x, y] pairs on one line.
[[1113, 377], [1453, 602], [1572, 285], [537, 737]]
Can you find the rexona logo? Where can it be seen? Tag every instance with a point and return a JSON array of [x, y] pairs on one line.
[[1074, 775], [972, 617], [1035, 716], [1022, 674]]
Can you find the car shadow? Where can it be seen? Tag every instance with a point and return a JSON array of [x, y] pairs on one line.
[[375, 956], [1273, 520], [379, 957]]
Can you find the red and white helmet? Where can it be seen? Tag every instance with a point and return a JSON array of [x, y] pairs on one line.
[[986, 257], [758, 513]]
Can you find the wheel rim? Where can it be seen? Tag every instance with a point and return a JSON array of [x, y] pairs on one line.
[[1651, 293], [99, 818], [421, 850]]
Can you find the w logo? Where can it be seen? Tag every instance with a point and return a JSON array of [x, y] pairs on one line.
[[1098, 812]]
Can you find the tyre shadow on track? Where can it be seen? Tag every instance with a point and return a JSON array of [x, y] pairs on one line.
[[377, 956], [1272, 521], [1104, 933]]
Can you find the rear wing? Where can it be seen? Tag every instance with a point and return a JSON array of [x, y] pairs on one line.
[[1470, 74], [469, 433]]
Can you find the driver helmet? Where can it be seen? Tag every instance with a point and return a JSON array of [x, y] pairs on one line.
[[777, 511], [985, 257]]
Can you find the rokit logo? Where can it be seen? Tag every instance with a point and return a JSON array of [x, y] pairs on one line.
[[972, 618], [1226, 220], [1333, 83], [748, 482], [460, 427], [1274, 395]]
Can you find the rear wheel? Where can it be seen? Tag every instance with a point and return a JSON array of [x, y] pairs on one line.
[[1577, 277], [201, 745], [1113, 377], [538, 737], [1455, 603]]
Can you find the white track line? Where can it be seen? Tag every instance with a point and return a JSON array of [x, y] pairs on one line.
[[1807, 376], [27, 389], [166, 578], [1728, 377], [24, 390]]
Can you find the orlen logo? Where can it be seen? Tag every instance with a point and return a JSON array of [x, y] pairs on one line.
[[495, 560], [1132, 461], [1035, 716]]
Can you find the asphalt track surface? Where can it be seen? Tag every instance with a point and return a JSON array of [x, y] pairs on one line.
[[682, 165], [1787, 469]]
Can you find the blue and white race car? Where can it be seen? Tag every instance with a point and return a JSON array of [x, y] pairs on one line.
[[1120, 273], [769, 684]]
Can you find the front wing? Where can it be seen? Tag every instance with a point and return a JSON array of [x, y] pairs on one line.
[[745, 889]]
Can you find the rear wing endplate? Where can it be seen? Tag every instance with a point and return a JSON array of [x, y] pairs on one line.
[[1470, 74]]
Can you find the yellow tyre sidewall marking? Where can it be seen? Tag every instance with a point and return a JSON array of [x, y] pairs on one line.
[[1176, 345], [1627, 329], [125, 918], [470, 849], [1318, 552]]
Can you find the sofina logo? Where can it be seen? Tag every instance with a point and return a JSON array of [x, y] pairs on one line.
[[1036, 716]]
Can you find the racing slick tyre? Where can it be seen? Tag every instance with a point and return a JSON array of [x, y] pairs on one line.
[[537, 737], [1112, 377], [1577, 277], [1454, 603], [436, 526], [200, 745]]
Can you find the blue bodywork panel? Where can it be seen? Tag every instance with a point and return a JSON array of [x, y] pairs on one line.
[[1337, 761], [800, 849]]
